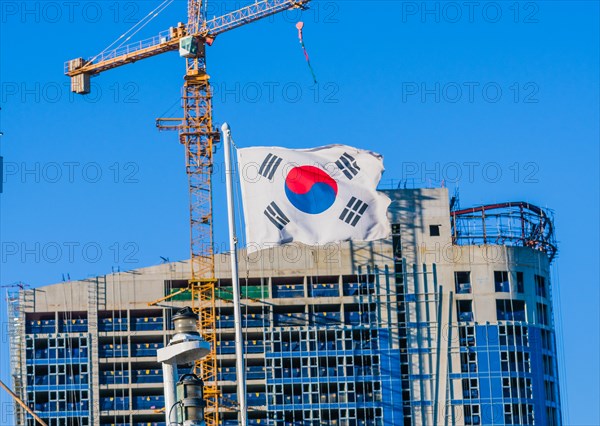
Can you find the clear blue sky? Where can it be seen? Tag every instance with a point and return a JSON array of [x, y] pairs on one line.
[[440, 90]]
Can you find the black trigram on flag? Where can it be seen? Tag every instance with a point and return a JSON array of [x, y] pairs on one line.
[[353, 211], [347, 165], [269, 166], [276, 216]]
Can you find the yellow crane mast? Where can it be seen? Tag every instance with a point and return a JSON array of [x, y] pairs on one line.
[[197, 134]]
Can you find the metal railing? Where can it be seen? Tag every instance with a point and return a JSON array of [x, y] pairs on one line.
[[517, 224]]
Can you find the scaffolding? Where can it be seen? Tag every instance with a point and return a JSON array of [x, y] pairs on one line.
[[57, 367], [317, 348], [518, 224], [422, 312], [16, 331], [331, 350]]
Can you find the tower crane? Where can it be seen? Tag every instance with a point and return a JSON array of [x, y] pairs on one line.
[[198, 136]]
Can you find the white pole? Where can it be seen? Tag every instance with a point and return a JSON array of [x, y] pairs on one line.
[[237, 314], [170, 377]]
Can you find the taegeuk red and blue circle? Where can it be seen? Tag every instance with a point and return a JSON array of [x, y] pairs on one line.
[[310, 189]]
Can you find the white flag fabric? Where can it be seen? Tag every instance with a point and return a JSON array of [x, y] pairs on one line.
[[313, 196]]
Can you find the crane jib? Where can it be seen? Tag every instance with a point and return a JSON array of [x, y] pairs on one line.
[[81, 69]]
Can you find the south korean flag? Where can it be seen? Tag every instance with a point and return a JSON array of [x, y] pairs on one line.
[[313, 196]]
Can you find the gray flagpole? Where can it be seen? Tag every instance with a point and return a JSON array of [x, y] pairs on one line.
[[237, 314]]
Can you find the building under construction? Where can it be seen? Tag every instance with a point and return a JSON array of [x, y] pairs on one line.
[[449, 321]]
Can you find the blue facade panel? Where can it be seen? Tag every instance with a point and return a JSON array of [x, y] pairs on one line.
[[391, 386], [502, 366], [537, 365]]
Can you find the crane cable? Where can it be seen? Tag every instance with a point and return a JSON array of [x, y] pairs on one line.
[[154, 14], [126, 36]]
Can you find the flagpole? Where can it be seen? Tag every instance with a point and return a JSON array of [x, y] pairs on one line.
[[237, 314]]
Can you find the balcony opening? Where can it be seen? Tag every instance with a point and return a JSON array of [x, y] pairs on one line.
[[464, 310], [462, 280], [515, 361], [501, 282], [466, 335], [547, 340], [520, 283], [542, 314], [510, 310], [470, 388], [540, 286], [472, 416]]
